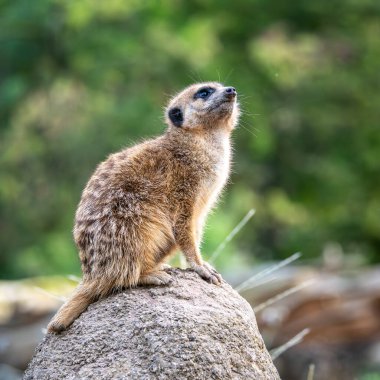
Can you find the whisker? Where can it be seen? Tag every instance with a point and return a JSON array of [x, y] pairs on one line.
[[195, 77], [252, 133], [228, 75]]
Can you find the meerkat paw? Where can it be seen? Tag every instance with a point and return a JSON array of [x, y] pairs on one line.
[[214, 271], [156, 278], [208, 273], [164, 266]]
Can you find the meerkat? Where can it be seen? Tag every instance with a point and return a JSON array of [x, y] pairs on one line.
[[146, 201]]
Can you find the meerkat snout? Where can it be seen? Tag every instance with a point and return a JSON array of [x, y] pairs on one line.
[[230, 92]]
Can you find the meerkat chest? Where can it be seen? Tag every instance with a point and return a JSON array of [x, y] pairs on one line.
[[219, 171], [212, 185], [221, 163]]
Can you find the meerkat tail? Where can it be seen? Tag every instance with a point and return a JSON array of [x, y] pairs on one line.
[[83, 296]]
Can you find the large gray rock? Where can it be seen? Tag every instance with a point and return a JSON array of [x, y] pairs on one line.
[[188, 330]]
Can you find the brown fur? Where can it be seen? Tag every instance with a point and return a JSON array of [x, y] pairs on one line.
[[145, 201]]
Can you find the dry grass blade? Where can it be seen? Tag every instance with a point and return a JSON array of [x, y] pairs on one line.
[[252, 281], [282, 295], [43, 291], [310, 374], [276, 352], [74, 278], [231, 235]]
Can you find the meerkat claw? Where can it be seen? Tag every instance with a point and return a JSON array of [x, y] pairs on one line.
[[207, 274], [213, 271]]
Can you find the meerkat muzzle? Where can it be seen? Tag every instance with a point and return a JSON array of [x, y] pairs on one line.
[[230, 92]]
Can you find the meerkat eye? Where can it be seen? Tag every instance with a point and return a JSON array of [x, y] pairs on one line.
[[176, 116], [204, 93]]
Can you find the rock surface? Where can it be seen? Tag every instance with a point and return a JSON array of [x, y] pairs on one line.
[[188, 330]]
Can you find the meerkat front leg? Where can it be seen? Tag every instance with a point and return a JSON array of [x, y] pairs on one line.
[[185, 235]]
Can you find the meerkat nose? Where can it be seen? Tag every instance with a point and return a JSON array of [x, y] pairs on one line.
[[230, 92]]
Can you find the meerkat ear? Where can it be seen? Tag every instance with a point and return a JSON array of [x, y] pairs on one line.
[[176, 116]]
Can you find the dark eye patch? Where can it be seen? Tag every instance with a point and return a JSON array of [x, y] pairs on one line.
[[176, 116], [204, 93]]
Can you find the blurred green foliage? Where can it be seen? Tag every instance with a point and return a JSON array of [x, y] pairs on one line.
[[81, 79]]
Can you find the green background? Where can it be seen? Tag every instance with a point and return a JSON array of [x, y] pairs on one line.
[[82, 79]]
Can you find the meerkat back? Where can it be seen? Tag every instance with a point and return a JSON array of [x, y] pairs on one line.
[[144, 202]]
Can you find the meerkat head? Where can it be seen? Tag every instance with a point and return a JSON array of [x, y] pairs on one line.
[[203, 106]]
